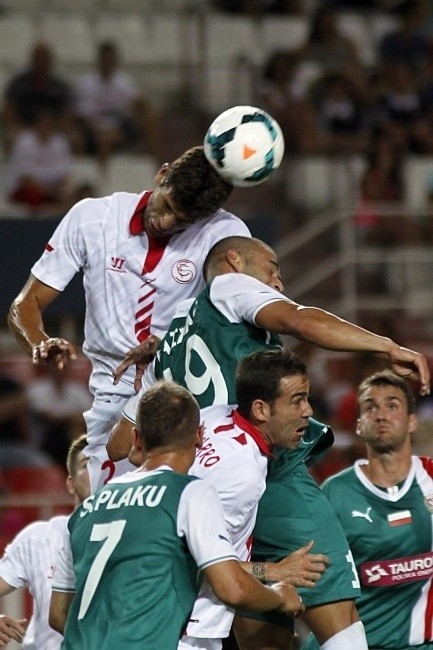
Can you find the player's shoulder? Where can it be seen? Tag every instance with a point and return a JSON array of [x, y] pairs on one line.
[[88, 211], [43, 530], [244, 284], [232, 447], [339, 481], [425, 462], [224, 224], [217, 413], [183, 308]]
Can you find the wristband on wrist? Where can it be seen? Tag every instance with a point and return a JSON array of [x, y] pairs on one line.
[[258, 571]]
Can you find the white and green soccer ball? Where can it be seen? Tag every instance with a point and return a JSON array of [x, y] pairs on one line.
[[245, 145]]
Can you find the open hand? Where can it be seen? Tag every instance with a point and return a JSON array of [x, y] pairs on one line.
[[301, 568], [141, 356]]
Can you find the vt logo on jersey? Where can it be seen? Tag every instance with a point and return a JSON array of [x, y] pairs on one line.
[[184, 271], [364, 515], [375, 573], [385, 573], [117, 264]]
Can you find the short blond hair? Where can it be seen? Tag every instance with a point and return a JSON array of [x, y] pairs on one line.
[[76, 447]]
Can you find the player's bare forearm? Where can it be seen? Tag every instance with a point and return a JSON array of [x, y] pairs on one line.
[[25, 321], [328, 331], [300, 569], [237, 589]]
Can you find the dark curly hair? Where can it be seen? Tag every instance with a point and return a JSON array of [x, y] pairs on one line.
[[197, 188], [259, 375]]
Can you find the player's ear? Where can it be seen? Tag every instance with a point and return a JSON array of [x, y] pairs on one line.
[[162, 173], [260, 410], [199, 437], [358, 427], [136, 440], [235, 260], [70, 485], [413, 423]]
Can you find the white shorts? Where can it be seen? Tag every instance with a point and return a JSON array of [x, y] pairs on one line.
[[100, 420], [188, 642]]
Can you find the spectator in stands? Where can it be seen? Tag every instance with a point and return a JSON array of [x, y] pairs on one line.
[[36, 88], [56, 405], [407, 43], [112, 113], [403, 106], [374, 191], [278, 92], [341, 115], [15, 448], [327, 45], [39, 167]]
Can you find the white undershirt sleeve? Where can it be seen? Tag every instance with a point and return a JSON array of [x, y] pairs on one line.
[[240, 297], [64, 577], [201, 521]]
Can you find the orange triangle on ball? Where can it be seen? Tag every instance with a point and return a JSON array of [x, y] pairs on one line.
[[248, 152]]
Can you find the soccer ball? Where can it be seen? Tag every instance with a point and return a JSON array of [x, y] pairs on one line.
[[244, 144]]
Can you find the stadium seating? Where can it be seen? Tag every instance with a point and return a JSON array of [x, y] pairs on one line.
[[70, 36], [129, 173], [17, 33], [282, 32]]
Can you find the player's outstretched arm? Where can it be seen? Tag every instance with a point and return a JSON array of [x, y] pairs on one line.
[[11, 629], [237, 589], [328, 331], [25, 321]]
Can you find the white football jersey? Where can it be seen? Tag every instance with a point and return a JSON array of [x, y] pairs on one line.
[[233, 458], [132, 282], [30, 561]]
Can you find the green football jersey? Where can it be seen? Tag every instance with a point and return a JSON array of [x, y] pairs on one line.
[[202, 348], [390, 535], [125, 546], [293, 510]]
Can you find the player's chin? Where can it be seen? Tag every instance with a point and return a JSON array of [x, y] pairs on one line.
[[296, 440]]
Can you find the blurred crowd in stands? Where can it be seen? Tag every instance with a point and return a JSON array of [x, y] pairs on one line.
[[47, 120], [328, 100]]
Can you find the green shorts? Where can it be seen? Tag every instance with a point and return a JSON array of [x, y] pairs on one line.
[[293, 511]]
